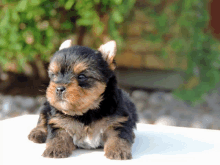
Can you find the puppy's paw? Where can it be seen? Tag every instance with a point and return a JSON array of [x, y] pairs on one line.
[[57, 152], [119, 150], [38, 135], [118, 154]]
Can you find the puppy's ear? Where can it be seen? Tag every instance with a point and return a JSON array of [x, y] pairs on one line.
[[65, 44], [108, 51]]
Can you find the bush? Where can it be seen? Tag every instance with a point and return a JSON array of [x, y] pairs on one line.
[[182, 28], [33, 29]]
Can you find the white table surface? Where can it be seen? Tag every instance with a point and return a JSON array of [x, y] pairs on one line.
[[153, 145]]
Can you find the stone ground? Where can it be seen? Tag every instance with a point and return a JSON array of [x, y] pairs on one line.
[[159, 108], [163, 109]]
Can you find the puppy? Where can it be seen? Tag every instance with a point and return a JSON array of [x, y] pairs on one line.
[[84, 107]]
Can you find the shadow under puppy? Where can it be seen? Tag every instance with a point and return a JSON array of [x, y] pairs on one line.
[[84, 107]]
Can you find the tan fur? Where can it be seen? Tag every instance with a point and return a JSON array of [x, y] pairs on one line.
[[39, 134], [112, 66], [108, 51], [76, 99], [43, 121], [61, 146], [73, 127], [67, 132], [51, 92], [68, 124], [65, 44], [92, 135], [78, 68], [54, 67], [117, 148]]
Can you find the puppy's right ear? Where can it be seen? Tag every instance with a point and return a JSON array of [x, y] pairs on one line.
[[66, 44], [108, 51]]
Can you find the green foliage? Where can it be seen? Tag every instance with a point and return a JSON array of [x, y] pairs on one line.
[[186, 21], [26, 31], [34, 28]]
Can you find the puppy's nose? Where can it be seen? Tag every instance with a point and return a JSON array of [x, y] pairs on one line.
[[60, 89]]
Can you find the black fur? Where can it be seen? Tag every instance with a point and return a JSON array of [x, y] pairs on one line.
[[98, 67], [115, 101]]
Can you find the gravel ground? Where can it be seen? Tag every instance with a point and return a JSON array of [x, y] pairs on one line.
[[162, 108], [158, 108]]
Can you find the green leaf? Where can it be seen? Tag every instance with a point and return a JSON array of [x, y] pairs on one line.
[[5, 20], [84, 22], [17, 47], [30, 15], [118, 2], [22, 5], [50, 31], [155, 2], [62, 2], [3, 42], [69, 4], [188, 4], [35, 2], [162, 21], [15, 16], [117, 16], [99, 28], [90, 14], [97, 1], [67, 25], [14, 37]]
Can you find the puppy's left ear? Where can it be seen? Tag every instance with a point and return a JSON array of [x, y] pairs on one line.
[[108, 51], [65, 44]]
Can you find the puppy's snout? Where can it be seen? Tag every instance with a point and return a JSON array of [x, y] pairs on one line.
[[60, 89]]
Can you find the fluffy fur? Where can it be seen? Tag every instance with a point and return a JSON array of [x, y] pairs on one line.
[[85, 108]]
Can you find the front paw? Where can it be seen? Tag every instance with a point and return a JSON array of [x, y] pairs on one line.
[[118, 151], [118, 154], [57, 152], [38, 135]]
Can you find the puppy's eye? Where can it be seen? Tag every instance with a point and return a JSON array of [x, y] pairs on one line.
[[52, 75], [82, 77]]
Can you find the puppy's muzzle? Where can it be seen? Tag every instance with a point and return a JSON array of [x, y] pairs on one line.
[[60, 90]]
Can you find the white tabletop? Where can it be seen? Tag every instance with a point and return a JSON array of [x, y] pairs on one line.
[[153, 145]]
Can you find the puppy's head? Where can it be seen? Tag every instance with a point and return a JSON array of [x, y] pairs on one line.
[[78, 77]]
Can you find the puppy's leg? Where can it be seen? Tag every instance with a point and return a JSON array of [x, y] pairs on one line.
[[116, 147], [59, 144], [39, 133]]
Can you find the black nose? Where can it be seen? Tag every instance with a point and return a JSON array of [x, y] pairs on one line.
[[60, 89]]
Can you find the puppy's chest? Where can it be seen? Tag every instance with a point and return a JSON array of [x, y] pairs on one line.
[[85, 136], [88, 138]]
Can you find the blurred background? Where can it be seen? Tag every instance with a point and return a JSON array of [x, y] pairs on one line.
[[168, 55]]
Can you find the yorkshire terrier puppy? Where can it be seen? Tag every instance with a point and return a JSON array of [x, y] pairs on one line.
[[84, 107]]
